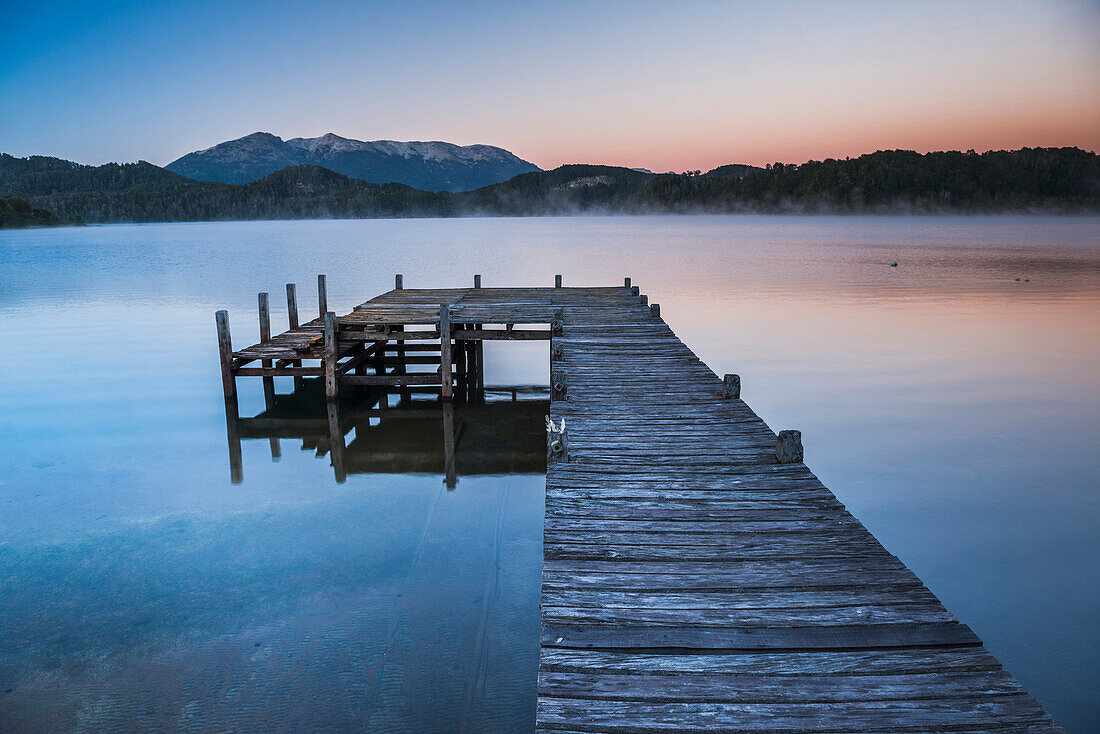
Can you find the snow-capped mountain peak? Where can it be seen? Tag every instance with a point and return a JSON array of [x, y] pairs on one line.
[[431, 165]]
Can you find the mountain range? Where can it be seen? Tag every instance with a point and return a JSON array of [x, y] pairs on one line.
[[1052, 180], [429, 166]]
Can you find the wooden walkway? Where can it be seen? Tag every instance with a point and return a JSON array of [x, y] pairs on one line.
[[691, 581]]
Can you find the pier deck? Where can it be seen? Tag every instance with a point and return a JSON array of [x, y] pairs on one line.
[[692, 581]]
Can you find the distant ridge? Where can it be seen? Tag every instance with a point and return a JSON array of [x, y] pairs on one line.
[[1040, 180], [429, 166]]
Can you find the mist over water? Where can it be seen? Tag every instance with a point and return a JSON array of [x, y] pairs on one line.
[[951, 402]]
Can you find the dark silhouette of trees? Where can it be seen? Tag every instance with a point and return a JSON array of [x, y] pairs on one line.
[[1030, 179]]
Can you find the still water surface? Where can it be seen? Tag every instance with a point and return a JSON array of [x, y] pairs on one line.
[[952, 403]]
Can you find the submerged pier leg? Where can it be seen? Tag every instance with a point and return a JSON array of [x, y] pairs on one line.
[[445, 351], [336, 441], [265, 336], [479, 352], [450, 474], [292, 323], [233, 437], [460, 366], [401, 368], [269, 382], [331, 355], [225, 352]]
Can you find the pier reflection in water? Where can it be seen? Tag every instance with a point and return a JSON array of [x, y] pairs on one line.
[[390, 604], [407, 430]]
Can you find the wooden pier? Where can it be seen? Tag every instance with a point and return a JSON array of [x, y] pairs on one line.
[[697, 576]]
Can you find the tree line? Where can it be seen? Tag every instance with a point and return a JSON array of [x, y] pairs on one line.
[[1030, 179]]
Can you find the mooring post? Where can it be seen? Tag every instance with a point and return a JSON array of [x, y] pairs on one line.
[[731, 386], [655, 309], [788, 447], [445, 351], [398, 282], [225, 351], [265, 336], [626, 282], [557, 441], [557, 281], [332, 352], [477, 281], [265, 317], [292, 306], [322, 297]]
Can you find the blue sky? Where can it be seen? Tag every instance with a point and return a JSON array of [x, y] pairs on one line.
[[656, 84]]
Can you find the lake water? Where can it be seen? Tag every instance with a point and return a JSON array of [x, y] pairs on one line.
[[952, 403]]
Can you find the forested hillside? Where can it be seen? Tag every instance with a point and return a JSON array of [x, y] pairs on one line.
[[17, 213], [1027, 180]]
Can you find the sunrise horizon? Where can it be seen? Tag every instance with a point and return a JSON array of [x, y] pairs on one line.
[[641, 86]]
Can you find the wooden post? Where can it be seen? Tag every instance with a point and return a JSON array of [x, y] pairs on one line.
[[477, 281], [634, 290], [225, 351], [479, 352], [655, 309], [450, 475], [233, 435], [332, 352], [398, 282], [265, 336], [643, 299], [445, 351], [265, 317], [731, 386], [402, 367], [291, 306], [322, 297], [460, 364], [788, 447], [336, 439], [471, 365], [292, 320], [557, 281], [626, 282]]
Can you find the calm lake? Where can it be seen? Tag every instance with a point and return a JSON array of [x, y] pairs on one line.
[[952, 403]]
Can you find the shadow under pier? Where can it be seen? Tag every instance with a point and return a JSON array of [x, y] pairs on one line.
[[402, 430]]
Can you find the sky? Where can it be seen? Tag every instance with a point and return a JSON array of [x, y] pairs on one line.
[[662, 85]]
